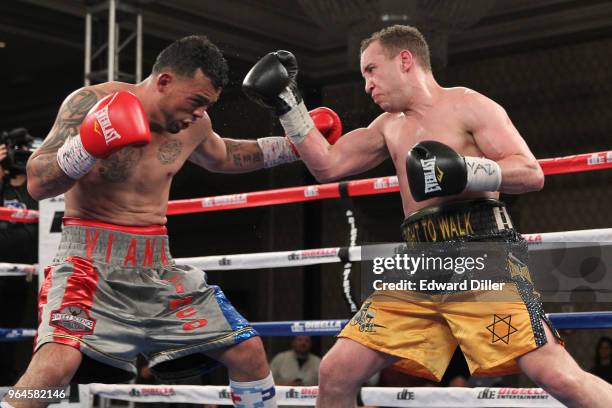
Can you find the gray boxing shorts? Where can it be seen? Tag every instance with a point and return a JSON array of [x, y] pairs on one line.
[[114, 292]]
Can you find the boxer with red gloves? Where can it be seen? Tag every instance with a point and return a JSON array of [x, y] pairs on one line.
[[113, 291]]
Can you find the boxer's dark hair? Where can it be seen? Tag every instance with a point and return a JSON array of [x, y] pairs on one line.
[[186, 55], [401, 37]]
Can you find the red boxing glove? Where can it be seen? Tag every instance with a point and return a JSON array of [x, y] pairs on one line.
[[279, 150], [328, 122], [116, 121]]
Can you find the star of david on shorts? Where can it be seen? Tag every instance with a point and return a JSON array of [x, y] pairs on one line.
[[501, 329]]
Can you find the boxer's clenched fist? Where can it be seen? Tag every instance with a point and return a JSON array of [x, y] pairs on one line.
[[116, 121]]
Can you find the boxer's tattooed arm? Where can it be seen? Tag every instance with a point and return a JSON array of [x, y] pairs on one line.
[[69, 119], [243, 154], [49, 174], [43, 169]]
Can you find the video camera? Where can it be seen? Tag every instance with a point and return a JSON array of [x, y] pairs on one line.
[[20, 146]]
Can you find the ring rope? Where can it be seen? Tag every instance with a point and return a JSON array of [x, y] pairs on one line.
[[331, 327], [304, 257], [371, 186], [425, 397], [430, 397], [317, 256]]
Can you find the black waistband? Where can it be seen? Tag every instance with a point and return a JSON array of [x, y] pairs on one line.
[[457, 221]]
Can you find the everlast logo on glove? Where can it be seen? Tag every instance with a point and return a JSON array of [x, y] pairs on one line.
[[429, 174], [428, 162], [109, 132]]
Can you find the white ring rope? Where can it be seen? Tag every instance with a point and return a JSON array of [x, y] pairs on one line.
[[429, 397], [304, 257]]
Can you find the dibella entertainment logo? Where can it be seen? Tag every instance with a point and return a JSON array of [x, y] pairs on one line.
[[513, 394], [304, 393], [157, 391]]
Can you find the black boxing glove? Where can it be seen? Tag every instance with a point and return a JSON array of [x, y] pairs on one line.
[[436, 170], [272, 84]]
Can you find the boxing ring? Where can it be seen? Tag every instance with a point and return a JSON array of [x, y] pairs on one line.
[[306, 396]]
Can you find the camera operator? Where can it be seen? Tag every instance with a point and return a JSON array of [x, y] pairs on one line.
[[18, 244]]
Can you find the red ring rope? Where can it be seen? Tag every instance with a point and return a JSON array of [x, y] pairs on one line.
[[569, 164]]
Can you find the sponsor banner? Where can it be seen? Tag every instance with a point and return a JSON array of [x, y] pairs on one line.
[[225, 200], [457, 397], [384, 183], [429, 397], [164, 393], [264, 259], [285, 395], [308, 326]]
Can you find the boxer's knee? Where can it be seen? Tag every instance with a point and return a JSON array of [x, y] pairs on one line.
[[247, 359], [53, 364], [335, 378], [563, 384]]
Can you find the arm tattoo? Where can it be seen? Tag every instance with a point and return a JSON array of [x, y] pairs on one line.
[[119, 166], [169, 151], [50, 174], [69, 119], [243, 153]]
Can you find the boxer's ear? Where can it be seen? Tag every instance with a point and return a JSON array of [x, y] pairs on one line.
[[406, 59], [163, 80]]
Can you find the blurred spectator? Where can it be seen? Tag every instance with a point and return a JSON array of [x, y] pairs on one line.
[[458, 381], [298, 366], [18, 244], [603, 366]]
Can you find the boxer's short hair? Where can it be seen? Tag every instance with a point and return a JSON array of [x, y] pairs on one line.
[[401, 37], [186, 55]]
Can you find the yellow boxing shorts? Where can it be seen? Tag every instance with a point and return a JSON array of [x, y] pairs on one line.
[[423, 330]]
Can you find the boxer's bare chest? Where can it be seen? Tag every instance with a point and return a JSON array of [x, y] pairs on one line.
[[157, 162], [405, 130], [445, 123]]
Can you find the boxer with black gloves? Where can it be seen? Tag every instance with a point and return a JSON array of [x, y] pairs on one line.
[[454, 150]]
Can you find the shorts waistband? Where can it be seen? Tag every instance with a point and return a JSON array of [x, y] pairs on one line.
[[461, 220], [120, 245], [128, 229]]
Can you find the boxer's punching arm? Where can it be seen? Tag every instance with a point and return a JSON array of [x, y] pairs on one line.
[[500, 141], [45, 177], [222, 155], [354, 152], [225, 155]]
